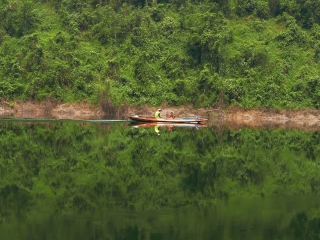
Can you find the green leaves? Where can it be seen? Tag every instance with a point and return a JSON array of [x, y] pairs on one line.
[[181, 53], [258, 8]]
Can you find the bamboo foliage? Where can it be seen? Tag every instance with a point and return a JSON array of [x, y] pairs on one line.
[[180, 52]]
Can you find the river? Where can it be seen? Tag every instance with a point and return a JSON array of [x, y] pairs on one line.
[[112, 180]]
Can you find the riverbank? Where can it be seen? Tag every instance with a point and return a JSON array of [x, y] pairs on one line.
[[84, 110], [233, 117], [306, 119]]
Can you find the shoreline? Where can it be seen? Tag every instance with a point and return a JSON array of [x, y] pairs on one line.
[[303, 119], [232, 117]]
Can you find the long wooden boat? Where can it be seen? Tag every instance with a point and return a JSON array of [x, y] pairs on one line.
[[140, 118]]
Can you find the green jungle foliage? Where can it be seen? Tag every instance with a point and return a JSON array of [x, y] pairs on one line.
[[65, 168], [249, 53]]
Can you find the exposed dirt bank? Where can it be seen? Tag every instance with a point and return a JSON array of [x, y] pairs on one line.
[[49, 110], [234, 118], [307, 119], [86, 111]]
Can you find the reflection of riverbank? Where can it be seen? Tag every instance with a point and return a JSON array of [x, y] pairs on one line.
[[306, 120], [234, 118]]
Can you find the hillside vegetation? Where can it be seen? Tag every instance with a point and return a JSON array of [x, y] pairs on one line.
[[262, 53]]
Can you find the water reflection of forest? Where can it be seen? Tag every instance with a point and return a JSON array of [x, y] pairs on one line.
[[245, 218], [68, 167]]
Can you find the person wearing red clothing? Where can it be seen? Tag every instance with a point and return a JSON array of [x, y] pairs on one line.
[[170, 115]]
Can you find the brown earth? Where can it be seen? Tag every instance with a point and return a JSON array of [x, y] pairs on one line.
[[306, 119], [232, 117]]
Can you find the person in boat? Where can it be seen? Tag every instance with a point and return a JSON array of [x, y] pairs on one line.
[[170, 128], [170, 115], [156, 129], [157, 114]]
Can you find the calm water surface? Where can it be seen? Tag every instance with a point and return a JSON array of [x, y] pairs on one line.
[[112, 180]]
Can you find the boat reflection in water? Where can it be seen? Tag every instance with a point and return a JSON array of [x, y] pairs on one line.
[[169, 126], [189, 120]]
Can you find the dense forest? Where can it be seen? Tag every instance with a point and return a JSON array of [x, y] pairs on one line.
[[84, 166], [67, 168], [262, 53]]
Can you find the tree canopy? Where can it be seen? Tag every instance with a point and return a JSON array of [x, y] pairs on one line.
[[249, 53]]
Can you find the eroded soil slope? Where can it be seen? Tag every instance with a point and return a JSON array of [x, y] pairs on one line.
[[234, 118]]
